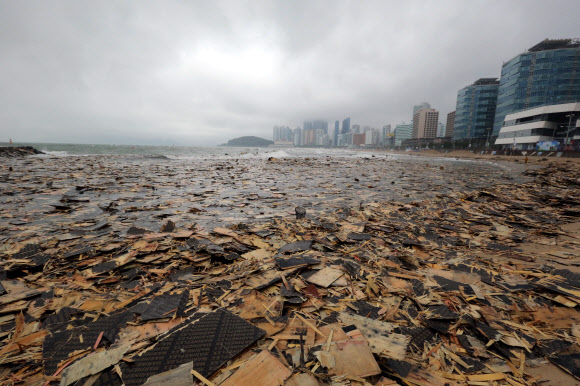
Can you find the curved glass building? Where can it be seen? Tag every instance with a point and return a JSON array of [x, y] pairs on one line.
[[547, 74], [475, 110]]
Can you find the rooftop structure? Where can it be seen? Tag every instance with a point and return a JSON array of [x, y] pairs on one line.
[[554, 44]]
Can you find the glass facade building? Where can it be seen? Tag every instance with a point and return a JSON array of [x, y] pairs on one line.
[[475, 109], [403, 131], [547, 74], [345, 126]]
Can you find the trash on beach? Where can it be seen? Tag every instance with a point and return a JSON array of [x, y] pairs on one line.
[[471, 286]]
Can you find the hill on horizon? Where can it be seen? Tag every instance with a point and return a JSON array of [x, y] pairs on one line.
[[249, 141]]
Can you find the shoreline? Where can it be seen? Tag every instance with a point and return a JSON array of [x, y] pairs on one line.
[[468, 155], [18, 151]]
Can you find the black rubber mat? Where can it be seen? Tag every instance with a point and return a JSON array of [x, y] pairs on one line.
[[297, 246], [79, 251], [400, 368], [570, 363], [442, 312], [209, 343], [58, 346], [296, 261], [548, 347], [165, 306]]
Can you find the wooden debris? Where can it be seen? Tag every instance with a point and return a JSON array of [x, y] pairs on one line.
[[263, 369], [473, 285]]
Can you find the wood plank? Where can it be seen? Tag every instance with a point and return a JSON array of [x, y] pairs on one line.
[[263, 369], [352, 357], [302, 379], [92, 364], [176, 377], [325, 277]]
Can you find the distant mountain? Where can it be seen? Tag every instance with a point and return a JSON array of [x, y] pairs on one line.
[[249, 142]]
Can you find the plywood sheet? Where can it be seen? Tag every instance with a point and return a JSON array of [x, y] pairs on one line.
[[176, 377], [325, 277], [92, 364], [302, 379], [263, 369], [352, 357]]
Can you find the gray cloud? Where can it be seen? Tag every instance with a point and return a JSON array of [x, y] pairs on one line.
[[202, 72]]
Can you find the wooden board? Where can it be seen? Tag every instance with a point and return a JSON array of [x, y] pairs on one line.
[[257, 305], [176, 377], [92, 364], [325, 277], [379, 335], [352, 357], [264, 280], [263, 369], [258, 254], [302, 379]]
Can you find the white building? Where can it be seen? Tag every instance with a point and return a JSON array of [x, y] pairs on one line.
[[371, 137], [525, 129], [297, 136]]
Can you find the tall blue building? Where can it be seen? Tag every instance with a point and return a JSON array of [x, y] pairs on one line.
[[547, 74], [475, 110], [345, 126], [336, 130]]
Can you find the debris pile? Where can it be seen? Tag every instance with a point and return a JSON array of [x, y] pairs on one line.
[[451, 290]]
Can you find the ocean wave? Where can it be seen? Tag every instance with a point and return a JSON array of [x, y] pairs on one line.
[[53, 153]]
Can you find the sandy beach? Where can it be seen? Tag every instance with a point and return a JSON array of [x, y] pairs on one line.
[[120, 261]]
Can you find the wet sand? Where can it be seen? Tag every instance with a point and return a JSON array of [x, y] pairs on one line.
[[56, 192], [407, 235]]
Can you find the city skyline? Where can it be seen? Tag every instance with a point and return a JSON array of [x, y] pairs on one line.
[[203, 73]]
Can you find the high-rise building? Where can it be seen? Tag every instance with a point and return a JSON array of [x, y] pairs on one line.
[[308, 137], [385, 135], [320, 124], [345, 126], [286, 134], [475, 109], [297, 136], [356, 129], [440, 130], [403, 131], [283, 133], [425, 123], [372, 136], [547, 74], [450, 124], [358, 139], [335, 134], [345, 139], [320, 137], [423, 105]]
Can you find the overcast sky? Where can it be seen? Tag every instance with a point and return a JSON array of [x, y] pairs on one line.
[[200, 73]]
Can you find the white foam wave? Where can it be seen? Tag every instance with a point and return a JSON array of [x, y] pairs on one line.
[[54, 153]]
